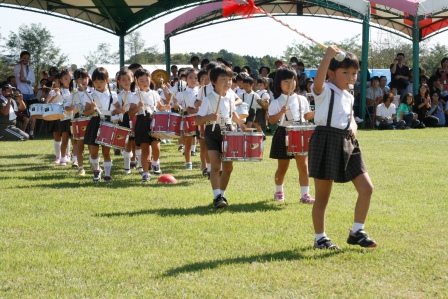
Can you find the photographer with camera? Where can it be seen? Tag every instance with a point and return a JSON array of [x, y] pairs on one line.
[[400, 74], [8, 130]]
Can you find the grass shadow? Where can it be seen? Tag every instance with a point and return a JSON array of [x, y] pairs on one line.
[[288, 255], [198, 210]]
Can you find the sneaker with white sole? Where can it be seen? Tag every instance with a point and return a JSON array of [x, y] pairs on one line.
[[189, 166], [97, 175], [75, 164], [133, 164], [57, 161], [107, 179], [156, 169], [146, 177], [279, 196], [360, 238], [81, 172], [325, 243], [127, 171], [358, 120], [307, 199], [63, 161], [140, 170]]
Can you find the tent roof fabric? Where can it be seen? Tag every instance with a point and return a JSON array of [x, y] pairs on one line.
[[123, 16]]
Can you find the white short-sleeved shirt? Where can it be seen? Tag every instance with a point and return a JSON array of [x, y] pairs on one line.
[[250, 99], [64, 97], [102, 100], [207, 90], [24, 87], [12, 114], [129, 98], [342, 107], [298, 106], [150, 100], [263, 94], [226, 106], [373, 94], [383, 111], [187, 97], [80, 99]]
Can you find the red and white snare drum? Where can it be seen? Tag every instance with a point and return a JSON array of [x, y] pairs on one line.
[[112, 135], [297, 139], [242, 146], [166, 125], [52, 111], [79, 126], [36, 111], [189, 125]]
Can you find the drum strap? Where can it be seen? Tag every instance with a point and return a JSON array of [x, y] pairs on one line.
[[110, 99], [330, 112]]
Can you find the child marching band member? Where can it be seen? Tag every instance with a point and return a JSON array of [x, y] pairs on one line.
[[144, 105], [80, 98], [250, 97], [53, 125], [288, 107], [185, 100], [102, 106], [334, 153], [203, 91], [218, 108], [125, 79], [263, 92]]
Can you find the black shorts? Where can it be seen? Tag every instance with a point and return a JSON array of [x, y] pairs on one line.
[[213, 139], [259, 116], [143, 130]]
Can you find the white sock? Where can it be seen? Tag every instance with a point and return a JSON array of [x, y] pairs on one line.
[[220, 167], [127, 159], [31, 132], [209, 167], [68, 147], [138, 153], [95, 163], [320, 236], [357, 226], [304, 190], [74, 158], [57, 149], [279, 188], [155, 163], [193, 148], [216, 192], [222, 192], [107, 166]]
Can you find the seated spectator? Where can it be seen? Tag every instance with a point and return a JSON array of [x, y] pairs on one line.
[[8, 130], [405, 112], [41, 91], [383, 84], [435, 85], [11, 80], [437, 109], [386, 114], [396, 100], [374, 95], [422, 104], [22, 116]]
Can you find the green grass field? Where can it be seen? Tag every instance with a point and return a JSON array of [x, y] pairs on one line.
[[63, 236]]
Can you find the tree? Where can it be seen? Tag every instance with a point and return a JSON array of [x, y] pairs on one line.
[[431, 61], [102, 55], [37, 40], [134, 44]]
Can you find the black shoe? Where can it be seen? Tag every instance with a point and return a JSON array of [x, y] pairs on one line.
[[264, 137], [208, 175], [325, 243], [156, 169], [107, 179], [31, 137], [204, 172], [220, 202], [220, 173], [133, 165], [193, 153], [360, 238], [117, 152]]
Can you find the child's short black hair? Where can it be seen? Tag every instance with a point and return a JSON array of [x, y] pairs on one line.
[[194, 58], [212, 65], [240, 77], [135, 66], [100, 74], [375, 78], [25, 52], [263, 81], [204, 62], [220, 70], [248, 79], [200, 74], [283, 73], [350, 61], [405, 97], [141, 72]]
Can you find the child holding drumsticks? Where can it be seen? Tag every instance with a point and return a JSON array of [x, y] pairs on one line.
[[288, 107], [218, 110], [334, 153]]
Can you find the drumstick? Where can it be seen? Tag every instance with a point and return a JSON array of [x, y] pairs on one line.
[[217, 108], [287, 100], [141, 100], [247, 8], [91, 100]]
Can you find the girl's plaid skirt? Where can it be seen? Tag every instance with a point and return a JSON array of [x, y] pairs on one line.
[[278, 145], [334, 155], [52, 126], [143, 129], [64, 126], [92, 131]]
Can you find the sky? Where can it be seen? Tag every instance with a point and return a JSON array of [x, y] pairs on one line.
[[256, 37]]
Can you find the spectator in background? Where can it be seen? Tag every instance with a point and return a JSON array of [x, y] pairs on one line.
[[442, 73], [383, 84], [405, 112], [173, 70], [8, 129], [204, 63], [264, 71], [278, 63], [422, 104], [435, 85], [194, 60], [374, 95], [43, 75], [386, 114], [52, 73], [400, 74], [11, 80], [25, 77], [437, 109]]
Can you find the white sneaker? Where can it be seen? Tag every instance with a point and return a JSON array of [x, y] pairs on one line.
[[63, 161], [189, 166], [358, 120], [127, 171]]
